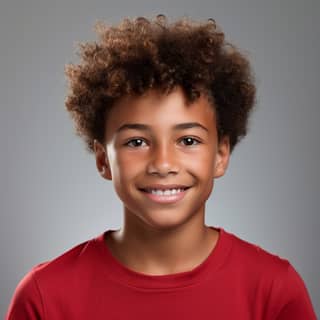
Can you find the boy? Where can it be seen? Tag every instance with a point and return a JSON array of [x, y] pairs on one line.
[[162, 107]]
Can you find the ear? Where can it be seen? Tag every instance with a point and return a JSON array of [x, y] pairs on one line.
[[102, 162], [222, 157]]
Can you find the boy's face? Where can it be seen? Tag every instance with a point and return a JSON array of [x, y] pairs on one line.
[[157, 153]]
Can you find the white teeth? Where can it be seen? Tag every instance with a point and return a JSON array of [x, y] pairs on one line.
[[166, 192]]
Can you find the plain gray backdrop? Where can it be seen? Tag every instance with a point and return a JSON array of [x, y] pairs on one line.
[[52, 197]]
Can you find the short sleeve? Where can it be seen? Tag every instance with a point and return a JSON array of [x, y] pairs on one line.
[[26, 303], [297, 303]]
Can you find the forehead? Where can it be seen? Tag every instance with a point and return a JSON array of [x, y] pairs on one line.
[[160, 111]]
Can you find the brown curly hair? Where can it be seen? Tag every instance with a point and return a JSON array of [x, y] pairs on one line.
[[140, 54]]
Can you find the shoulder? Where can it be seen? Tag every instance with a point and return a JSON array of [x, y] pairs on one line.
[[49, 278], [274, 278], [67, 267], [255, 258]]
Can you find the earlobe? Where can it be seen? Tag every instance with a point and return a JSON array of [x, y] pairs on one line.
[[105, 173], [222, 157], [101, 160]]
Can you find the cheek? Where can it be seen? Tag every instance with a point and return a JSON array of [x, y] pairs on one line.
[[119, 161], [126, 169], [202, 163], [128, 164]]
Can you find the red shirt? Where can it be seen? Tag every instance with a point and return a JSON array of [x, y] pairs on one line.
[[238, 280]]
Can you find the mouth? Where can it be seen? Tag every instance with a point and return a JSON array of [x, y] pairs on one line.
[[168, 191], [171, 195]]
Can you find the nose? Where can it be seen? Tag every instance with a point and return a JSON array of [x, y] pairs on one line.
[[163, 160]]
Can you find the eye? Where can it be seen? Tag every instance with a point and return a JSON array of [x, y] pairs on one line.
[[134, 142], [189, 141]]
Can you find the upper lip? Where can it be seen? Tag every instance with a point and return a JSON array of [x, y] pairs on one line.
[[164, 186]]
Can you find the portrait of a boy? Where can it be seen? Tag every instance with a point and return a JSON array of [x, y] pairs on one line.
[[161, 105]]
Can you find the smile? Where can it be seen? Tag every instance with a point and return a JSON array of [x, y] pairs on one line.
[[165, 196]]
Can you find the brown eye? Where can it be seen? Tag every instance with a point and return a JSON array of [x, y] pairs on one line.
[[134, 142], [189, 141]]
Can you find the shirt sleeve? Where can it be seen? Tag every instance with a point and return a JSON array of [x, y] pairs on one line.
[[297, 303], [26, 303]]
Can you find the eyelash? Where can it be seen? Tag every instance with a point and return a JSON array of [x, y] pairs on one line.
[[184, 138]]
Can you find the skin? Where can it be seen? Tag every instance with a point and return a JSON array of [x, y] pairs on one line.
[[158, 239]]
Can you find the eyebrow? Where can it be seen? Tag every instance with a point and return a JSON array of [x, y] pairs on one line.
[[144, 127]]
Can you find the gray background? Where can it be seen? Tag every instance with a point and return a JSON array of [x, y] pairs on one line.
[[52, 197]]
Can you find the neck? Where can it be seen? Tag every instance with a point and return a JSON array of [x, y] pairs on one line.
[[143, 249]]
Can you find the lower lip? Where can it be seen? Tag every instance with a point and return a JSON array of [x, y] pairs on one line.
[[166, 198]]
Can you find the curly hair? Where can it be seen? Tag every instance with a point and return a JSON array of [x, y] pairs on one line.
[[140, 54]]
